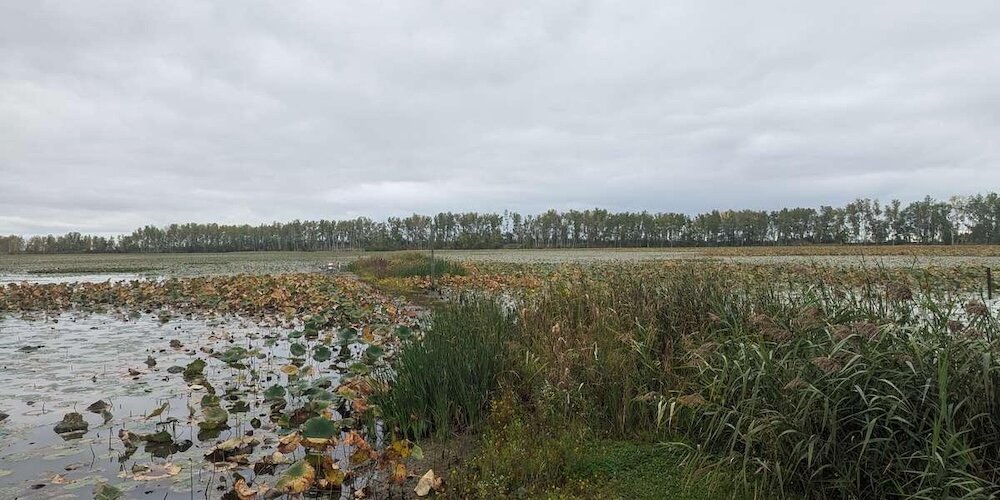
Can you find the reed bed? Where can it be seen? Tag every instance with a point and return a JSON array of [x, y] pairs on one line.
[[888, 386]]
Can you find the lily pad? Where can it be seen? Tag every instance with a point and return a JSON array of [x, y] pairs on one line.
[[322, 353], [404, 333], [72, 422], [234, 355], [318, 432], [232, 447], [214, 418], [360, 369], [348, 335], [194, 369], [98, 406], [296, 479], [158, 437], [373, 353], [154, 472], [274, 393], [105, 491]]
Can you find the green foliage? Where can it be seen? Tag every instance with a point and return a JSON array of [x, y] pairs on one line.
[[444, 382], [904, 407], [524, 454], [319, 428], [641, 470], [863, 220], [405, 265], [518, 455], [322, 353], [194, 369]]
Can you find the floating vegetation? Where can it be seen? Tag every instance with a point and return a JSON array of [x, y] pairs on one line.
[[72, 423], [247, 375]]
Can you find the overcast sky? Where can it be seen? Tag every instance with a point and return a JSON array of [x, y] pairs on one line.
[[118, 114]]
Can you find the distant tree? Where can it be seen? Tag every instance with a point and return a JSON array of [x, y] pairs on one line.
[[971, 219]]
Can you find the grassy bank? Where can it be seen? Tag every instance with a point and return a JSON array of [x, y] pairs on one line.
[[757, 388]]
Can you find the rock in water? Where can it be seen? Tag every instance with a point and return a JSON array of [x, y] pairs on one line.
[[72, 422]]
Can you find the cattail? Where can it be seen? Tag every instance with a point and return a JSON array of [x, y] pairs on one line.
[[865, 329], [898, 292], [827, 364], [776, 334], [955, 326], [841, 332], [796, 384], [976, 308], [761, 320], [809, 318], [691, 400]]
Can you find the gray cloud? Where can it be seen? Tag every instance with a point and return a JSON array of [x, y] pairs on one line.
[[119, 114]]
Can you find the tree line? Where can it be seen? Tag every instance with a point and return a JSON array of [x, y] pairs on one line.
[[959, 220]]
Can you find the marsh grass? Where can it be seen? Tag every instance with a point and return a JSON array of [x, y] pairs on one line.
[[795, 387], [817, 390], [404, 265], [445, 382]]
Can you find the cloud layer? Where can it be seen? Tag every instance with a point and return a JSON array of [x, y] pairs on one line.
[[119, 114]]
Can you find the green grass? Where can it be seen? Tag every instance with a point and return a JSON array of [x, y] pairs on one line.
[[525, 454], [404, 265], [444, 382], [637, 470]]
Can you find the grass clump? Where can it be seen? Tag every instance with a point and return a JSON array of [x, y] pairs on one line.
[[643, 470], [519, 455], [405, 265], [525, 454], [445, 382]]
